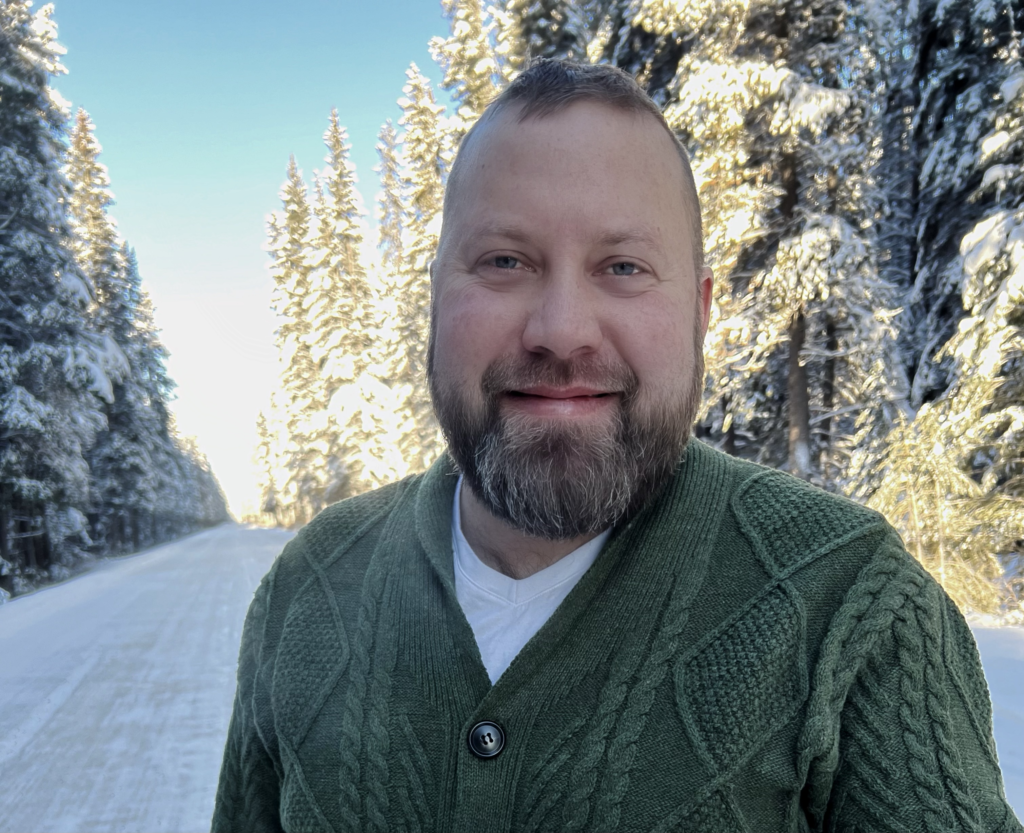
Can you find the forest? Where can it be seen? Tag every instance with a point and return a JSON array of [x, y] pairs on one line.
[[859, 168], [90, 461]]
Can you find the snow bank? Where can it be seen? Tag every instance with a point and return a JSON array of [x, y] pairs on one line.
[[1002, 655]]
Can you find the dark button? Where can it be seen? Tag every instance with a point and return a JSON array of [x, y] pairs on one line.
[[486, 740]]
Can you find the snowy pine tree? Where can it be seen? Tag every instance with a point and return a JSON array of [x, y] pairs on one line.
[[713, 105], [53, 370], [339, 314], [124, 480], [291, 246], [426, 153], [388, 391], [954, 477], [529, 29], [133, 500], [95, 241], [962, 54], [346, 414], [390, 205], [782, 122], [987, 350], [467, 58], [146, 351], [270, 507]]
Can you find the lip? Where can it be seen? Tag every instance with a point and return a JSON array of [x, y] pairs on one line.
[[560, 393], [561, 403]]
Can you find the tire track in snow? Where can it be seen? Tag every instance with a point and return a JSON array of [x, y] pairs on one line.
[[13, 742]]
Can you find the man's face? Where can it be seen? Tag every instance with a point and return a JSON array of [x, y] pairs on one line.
[[567, 326]]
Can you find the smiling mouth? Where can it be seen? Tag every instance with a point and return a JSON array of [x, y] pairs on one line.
[[522, 395], [560, 404]]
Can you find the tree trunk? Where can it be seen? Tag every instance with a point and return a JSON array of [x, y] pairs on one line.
[[29, 543], [799, 408], [828, 397], [900, 166], [5, 513]]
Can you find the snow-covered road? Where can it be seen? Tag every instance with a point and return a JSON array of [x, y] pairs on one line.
[[115, 688]]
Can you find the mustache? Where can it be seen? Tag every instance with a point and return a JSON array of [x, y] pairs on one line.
[[510, 373]]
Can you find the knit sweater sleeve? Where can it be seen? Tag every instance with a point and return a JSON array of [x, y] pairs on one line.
[[249, 787], [915, 744]]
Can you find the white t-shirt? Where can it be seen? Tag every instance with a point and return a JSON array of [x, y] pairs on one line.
[[505, 612]]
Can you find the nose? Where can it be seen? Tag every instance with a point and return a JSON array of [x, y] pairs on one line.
[[563, 321]]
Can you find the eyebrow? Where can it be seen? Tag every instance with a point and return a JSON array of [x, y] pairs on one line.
[[610, 238], [637, 235], [511, 232]]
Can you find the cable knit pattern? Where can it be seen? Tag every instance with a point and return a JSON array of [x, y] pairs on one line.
[[713, 814], [881, 589], [367, 705], [624, 748], [748, 653], [419, 780]]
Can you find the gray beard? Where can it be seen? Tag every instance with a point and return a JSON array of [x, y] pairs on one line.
[[561, 481]]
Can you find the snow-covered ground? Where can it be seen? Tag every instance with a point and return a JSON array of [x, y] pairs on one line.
[[1002, 655], [115, 688]]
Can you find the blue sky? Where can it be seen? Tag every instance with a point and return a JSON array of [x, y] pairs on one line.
[[197, 107]]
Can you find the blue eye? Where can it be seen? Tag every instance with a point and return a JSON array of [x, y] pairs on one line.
[[624, 269], [506, 262]]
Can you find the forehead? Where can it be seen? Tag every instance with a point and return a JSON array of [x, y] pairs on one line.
[[588, 160]]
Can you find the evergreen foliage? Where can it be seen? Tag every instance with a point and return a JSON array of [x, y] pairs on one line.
[[393, 186], [468, 58], [53, 370], [427, 154], [346, 333], [788, 171], [529, 29], [146, 484], [88, 463], [963, 52], [270, 501], [289, 234], [954, 478]]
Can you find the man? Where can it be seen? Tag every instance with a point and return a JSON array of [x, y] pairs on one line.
[[582, 619]]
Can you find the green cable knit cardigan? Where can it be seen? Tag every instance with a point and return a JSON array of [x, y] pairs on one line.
[[748, 653]]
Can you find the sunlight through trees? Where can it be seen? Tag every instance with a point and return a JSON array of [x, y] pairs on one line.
[[859, 164]]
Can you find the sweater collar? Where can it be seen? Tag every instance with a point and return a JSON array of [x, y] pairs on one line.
[[668, 543], [690, 495]]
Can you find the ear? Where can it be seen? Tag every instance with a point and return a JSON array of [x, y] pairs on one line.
[[707, 284]]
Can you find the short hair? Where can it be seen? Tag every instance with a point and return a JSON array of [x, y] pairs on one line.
[[550, 85]]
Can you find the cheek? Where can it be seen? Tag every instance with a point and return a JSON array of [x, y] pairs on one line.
[[656, 339], [473, 329]]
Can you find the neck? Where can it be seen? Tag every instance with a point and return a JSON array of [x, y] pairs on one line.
[[507, 550]]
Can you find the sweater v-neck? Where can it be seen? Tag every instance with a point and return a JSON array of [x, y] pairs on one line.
[[618, 600], [514, 592]]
